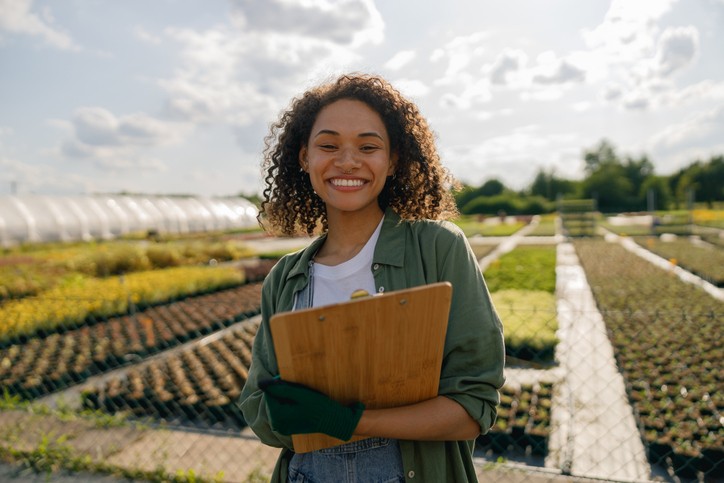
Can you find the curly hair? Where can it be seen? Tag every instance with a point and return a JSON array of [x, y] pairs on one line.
[[420, 187]]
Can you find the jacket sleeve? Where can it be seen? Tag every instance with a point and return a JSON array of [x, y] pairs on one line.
[[263, 366], [474, 356]]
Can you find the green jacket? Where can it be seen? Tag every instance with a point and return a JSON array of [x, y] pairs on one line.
[[407, 254]]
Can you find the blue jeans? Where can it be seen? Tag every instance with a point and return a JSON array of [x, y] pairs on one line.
[[373, 460]]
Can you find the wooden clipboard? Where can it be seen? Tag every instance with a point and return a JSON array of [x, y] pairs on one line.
[[383, 350]]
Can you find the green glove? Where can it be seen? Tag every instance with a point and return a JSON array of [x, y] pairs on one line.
[[298, 409]]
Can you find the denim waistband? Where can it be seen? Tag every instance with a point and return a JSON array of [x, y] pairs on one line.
[[357, 446]]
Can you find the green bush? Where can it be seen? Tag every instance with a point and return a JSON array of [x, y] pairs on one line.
[[109, 260], [510, 203], [23, 279], [163, 256], [491, 205], [222, 252]]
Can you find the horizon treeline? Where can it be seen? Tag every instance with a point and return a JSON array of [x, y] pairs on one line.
[[617, 184]]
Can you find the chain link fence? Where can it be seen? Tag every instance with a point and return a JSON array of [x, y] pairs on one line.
[[616, 376]]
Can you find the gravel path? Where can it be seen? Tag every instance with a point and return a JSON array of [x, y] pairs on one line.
[[594, 429]]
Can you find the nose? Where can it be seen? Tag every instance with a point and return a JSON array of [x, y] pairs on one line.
[[347, 160]]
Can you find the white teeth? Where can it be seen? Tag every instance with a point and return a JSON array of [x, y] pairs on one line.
[[347, 182]]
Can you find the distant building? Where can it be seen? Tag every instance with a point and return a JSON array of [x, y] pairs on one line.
[[37, 218]]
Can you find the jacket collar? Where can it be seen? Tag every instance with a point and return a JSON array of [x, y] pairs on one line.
[[301, 266], [390, 249]]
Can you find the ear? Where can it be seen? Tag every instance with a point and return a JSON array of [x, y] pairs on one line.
[[393, 164], [303, 163]]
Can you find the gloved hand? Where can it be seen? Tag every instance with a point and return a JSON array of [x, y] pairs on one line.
[[298, 409]]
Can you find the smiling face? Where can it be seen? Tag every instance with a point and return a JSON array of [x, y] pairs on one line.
[[348, 157]]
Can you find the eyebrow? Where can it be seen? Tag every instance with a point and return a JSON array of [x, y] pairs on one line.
[[360, 135]]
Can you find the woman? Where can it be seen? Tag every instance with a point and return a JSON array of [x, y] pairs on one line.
[[357, 161]]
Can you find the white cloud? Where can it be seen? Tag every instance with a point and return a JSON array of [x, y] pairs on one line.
[[582, 106], [240, 75], [199, 98], [352, 22], [463, 86], [147, 36], [506, 65], [96, 126], [132, 163], [677, 48], [513, 156], [461, 54], [612, 92], [545, 93], [40, 178], [562, 72], [636, 101], [627, 33], [412, 87], [707, 91], [400, 60], [111, 158], [474, 93], [118, 142], [698, 137], [631, 52], [437, 55], [16, 16], [699, 129]]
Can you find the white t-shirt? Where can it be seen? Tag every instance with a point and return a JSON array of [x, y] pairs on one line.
[[336, 284]]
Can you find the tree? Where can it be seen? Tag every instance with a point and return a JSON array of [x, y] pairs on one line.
[[704, 179], [550, 187], [464, 195], [468, 193], [637, 171], [658, 188], [602, 155], [709, 179], [610, 187], [491, 187]]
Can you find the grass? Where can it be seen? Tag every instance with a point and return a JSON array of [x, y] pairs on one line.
[[47, 453]]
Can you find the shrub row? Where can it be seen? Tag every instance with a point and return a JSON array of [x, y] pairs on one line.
[[527, 267], [530, 323], [197, 386], [79, 298], [523, 422], [667, 338], [42, 365], [705, 261]]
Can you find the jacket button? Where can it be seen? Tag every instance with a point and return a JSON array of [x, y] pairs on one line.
[[410, 474], [381, 289], [375, 266]]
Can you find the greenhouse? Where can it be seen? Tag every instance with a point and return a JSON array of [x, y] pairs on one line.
[[37, 218]]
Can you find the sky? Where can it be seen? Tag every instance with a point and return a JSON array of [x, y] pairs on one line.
[[176, 96]]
